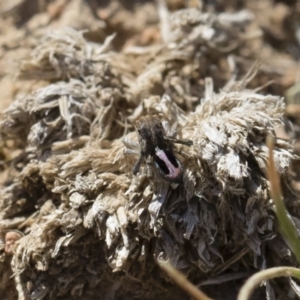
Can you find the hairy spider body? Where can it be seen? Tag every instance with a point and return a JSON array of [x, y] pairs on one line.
[[156, 146]]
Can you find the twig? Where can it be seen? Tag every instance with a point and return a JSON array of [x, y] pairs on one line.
[[182, 281]]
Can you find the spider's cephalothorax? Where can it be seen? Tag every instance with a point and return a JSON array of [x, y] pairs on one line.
[[156, 146]]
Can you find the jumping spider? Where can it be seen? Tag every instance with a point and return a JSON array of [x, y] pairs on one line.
[[156, 145]]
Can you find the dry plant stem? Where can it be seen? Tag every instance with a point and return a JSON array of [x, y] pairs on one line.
[[182, 281], [286, 225], [261, 276]]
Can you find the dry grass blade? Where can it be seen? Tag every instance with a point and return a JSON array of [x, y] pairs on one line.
[[287, 227], [182, 281], [261, 276]]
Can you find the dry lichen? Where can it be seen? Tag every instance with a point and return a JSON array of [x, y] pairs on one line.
[[89, 220]]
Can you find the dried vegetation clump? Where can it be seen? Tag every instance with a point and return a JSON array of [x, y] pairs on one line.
[[90, 226]]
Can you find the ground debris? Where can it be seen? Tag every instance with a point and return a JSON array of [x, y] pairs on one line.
[[89, 224]]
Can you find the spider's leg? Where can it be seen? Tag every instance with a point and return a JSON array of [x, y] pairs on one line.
[[130, 143], [182, 153], [130, 151], [137, 165], [149, 171], [170, 131], [173, 131], [179, 141]]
